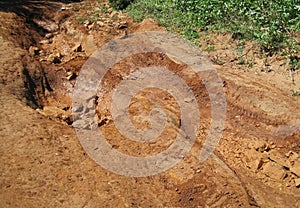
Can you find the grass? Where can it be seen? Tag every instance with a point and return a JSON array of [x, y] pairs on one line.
[[273, 24]]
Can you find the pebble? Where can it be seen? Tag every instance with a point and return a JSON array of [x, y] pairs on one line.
[[123, 25], [54, 58], [296, 169], [297, 182], [71, 75], [44, 42], [33, 51], [273, 170], [77, 48], [188, 100], [49, 35]]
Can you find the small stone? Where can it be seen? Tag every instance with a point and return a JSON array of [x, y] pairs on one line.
[[123, 25], [280, 160], [87, 23], [188, 100], [116, 24], [55, 112], [257, 164], [258, 145], [88, 45], [273, 170], [49, 35], [296, 168], [33, 51], [63, 8], [54, 58], [113, 14], [262, 147], [293, 156], [47, 25], [91, 26], [77, 48], [101, 24], [44, 42], [297, 182], [71, 75]]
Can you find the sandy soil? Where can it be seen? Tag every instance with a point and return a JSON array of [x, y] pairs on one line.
[[43, 47]]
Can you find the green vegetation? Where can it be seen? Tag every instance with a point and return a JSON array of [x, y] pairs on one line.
[[120, 4], [272, 23], [296, 93]]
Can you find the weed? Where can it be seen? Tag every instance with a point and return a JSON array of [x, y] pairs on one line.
[[272, 23], [209, 48], [242, 61], [119, 4], [296, 93], [80, 19], [294, 63]]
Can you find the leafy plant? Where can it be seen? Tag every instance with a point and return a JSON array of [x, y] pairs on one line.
[[296, 93], [294, 62], [209, 48], [120, 4], [272, 23], [80, 19]]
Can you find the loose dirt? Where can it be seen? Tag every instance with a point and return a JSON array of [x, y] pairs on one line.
[[43, 47]]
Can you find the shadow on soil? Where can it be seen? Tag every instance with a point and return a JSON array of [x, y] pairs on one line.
[[33, 9]]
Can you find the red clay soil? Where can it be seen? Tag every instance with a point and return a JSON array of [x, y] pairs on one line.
[[43, 47]]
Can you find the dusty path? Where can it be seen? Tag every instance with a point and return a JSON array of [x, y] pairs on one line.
[[257, 162]]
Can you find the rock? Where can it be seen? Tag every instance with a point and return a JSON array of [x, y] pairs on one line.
[[256, 164], [280, 160], [257, 145], [101, 24], [65, 7], [33, 51], [261, 146], [71, 75], [77, 48], [55, 112], [252, 155], [44, 42], [188, 100], [88, 45], [92, 26], [297, 182], [54, 58], [47, 25], [112, 31], [113, 14], [296, 168], [122, 25], [49, 35], [86, 23], [293, 156], [274, 170]]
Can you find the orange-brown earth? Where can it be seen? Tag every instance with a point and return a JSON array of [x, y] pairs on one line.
[[43, 47]]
